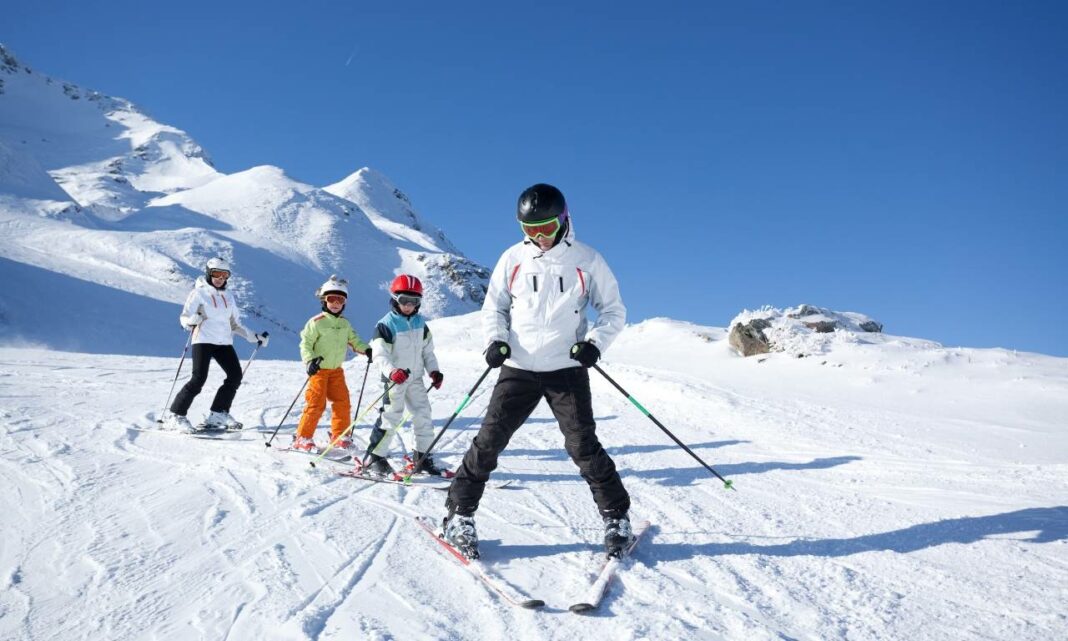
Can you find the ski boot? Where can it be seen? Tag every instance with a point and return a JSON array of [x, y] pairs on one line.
[[617, 535], [459, 531], [379, 466], [345, 444], [221, 421], [427, 466], [179, 423], [304, 445]]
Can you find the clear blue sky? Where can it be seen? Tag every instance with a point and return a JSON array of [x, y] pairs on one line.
[[908, 161]]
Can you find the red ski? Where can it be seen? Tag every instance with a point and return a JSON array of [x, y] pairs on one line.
[[479, 569]]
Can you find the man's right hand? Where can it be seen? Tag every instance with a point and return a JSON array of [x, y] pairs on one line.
[[313, 366], [398, 376], [497, 353]]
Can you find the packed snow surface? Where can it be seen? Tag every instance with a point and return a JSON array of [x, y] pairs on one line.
[[886, 489]]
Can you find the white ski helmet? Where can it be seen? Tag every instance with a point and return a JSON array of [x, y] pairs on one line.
[[216, 265], [333, 285]]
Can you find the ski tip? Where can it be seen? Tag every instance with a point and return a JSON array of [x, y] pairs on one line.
[[579, 608], [532, 604]]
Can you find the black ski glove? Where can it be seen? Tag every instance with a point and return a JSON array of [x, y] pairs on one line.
[[436, 378], [586, 353], [497, 353], [313, 366], [368, 354]]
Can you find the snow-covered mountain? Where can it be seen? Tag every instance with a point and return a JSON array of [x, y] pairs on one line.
[[107, 216], [887, 489]]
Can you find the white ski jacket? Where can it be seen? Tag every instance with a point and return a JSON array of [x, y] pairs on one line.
[[403, 342], [537, 302], [213, 315]]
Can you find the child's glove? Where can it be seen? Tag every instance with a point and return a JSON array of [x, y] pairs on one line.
[[398, 376], [313, 366], [586, 353], [261, 339], [368, 354], [436, 377], [497, 353]]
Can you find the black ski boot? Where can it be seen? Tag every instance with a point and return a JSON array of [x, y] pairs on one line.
[[459, 531], [427, 466], [617, 535], [379, 466]]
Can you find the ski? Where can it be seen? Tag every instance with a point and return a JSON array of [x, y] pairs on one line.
[[216, 435], [596, 591], [479, 569], [334, 456], [417, 481], [201, 433], [424, 480]]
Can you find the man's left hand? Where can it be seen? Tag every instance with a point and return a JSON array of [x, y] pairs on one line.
[[586, 353]]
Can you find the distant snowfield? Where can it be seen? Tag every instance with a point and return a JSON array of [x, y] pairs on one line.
[[889, 489]]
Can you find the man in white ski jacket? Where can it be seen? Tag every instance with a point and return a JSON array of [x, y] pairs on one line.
[[535, 325]]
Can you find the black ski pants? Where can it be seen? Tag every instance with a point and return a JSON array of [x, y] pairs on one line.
[[203, 353], [514, 397]]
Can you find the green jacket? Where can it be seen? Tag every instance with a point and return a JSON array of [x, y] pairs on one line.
[[329, 336]]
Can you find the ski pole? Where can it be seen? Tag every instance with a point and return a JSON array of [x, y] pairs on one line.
[[268, 443], [359, 418], [167, 403], [726, 484], [467, 399], [359, 401], [251, 358]]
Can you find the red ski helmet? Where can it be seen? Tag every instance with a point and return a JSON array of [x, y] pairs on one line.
[[407, 284]]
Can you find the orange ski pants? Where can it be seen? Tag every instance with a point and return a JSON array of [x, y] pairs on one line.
[[326, 385]]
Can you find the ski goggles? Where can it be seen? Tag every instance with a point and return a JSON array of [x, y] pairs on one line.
[[547, 228], [219, 273], [335, 299], [407, 299]]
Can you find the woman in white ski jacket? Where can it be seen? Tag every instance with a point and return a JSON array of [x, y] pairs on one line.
[[535, 325], [212, 314]]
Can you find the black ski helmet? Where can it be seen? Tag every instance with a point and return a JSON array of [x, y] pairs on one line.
[[540, 202]]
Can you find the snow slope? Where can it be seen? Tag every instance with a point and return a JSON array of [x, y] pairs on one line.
[[886, 489]]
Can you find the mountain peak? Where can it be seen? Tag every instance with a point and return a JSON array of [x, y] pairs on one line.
[[365, 180], [390, 209], [9, 63]]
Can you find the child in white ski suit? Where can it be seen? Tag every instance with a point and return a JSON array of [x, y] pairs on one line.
[[403, 350]]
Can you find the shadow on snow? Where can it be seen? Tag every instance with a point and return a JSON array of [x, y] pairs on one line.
[[1050, 524]]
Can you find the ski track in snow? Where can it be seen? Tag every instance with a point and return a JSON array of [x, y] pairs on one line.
[[856, 517]]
